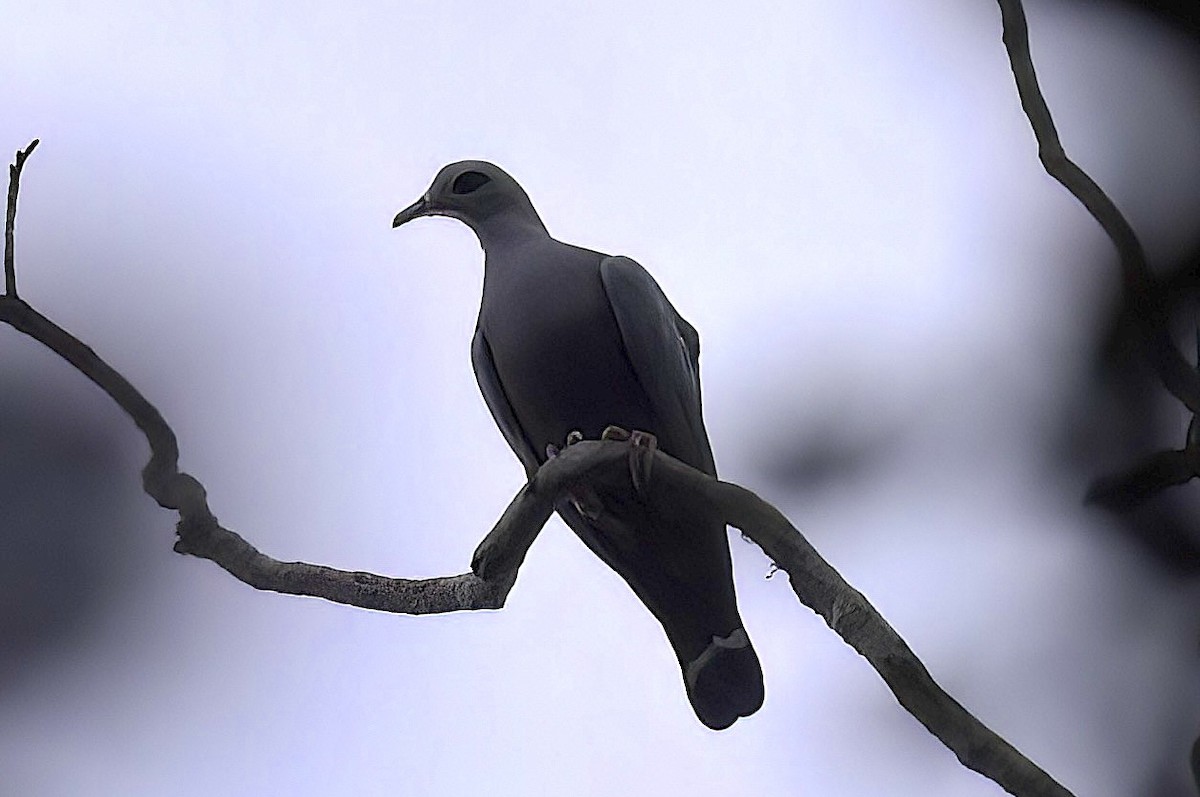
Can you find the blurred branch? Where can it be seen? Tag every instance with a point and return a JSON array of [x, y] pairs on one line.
[[1132, 488], [1177, 375], [1145, 298], [1148, 304], [1124, 491]]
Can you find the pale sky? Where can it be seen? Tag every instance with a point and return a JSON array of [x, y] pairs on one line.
[[843, 198]]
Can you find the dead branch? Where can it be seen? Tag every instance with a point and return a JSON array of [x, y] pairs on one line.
[[199, 532], [501, 553]]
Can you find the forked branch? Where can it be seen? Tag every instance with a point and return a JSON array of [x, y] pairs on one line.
[[814, 581], [1149, 310], [1162, 469]]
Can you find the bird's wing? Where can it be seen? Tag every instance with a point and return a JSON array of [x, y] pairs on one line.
[[664, 350], [497, 402]]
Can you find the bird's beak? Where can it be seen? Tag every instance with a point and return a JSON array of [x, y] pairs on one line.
[[419, 208]]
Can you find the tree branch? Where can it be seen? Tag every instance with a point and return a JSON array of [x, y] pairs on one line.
[[1176, 374], [598, 463], [604, 465], [199, 533], [855, 620]]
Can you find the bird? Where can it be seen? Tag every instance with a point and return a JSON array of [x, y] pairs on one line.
[[570, 341]]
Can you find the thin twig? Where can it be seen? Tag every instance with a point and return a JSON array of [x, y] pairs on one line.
[[10, 218], [1180, 378]]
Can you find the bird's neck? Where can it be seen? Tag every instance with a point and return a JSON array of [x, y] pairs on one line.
[[510, 227]]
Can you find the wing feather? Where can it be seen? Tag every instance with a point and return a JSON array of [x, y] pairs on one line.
[[664, 350], [498, 403]]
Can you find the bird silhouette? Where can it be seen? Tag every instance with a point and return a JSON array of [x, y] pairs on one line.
[[569, 340]]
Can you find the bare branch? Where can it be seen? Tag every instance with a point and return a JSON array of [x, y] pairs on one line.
[[199, 532], [10, 218], [855, 620], [201, 535], [1176, 374], [605, 465], [600, 464]]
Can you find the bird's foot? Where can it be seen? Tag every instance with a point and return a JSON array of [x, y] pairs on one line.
[[583, 498], [642, 446]]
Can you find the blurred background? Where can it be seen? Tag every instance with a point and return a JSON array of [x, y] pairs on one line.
[[912, 344]]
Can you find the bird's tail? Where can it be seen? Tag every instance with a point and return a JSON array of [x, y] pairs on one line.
[[725, 681], [683, 573]]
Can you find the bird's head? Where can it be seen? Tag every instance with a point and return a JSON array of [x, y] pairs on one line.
[[472, 192]]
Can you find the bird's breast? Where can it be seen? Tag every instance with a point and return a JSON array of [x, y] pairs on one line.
[[560, 358]]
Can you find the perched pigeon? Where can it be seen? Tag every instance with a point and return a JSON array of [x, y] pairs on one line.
[[570, 339]]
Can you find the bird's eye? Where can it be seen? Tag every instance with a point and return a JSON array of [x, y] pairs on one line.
[[467, 182]]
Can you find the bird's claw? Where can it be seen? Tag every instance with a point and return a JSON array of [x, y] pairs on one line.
[[642, 446], [614, 433]]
